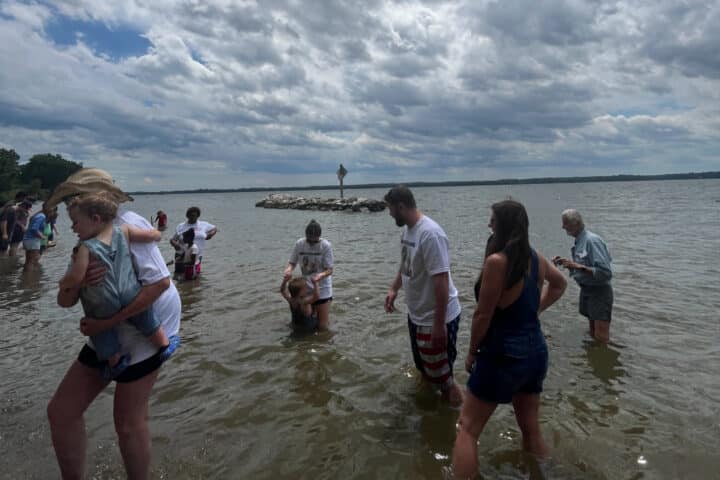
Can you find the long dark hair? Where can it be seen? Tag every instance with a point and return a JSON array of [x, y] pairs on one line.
[[510, 237]]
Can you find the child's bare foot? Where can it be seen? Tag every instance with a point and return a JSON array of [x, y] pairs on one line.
[[159, 339]]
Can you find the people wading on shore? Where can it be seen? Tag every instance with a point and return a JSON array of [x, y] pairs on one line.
[[507, 358], [591, 268], [82, 382], [314, 254], [431, 298]]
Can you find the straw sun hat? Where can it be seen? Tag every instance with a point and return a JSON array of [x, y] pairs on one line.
[[87, 180]]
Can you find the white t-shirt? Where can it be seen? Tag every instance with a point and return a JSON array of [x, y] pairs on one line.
[[313, 259], [189, 252], [201, 229], [150, 268], [425, 252]]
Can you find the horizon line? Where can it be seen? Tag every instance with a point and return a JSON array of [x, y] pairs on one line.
[[455, 183]]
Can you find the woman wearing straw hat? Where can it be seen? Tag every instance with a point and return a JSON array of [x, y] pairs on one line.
[[82, 382]]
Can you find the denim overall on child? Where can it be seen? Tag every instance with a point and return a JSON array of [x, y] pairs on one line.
[[118, 289]]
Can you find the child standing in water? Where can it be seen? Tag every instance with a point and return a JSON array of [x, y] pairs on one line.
[[161, 220], [187, 261], [92, 218], [301, 302]]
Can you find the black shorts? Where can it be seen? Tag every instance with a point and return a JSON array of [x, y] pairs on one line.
[[136, 371], [322, 300], [17, 236], [4, 244], [596, 302]]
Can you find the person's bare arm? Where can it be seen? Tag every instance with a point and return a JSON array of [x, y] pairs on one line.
[[325, 273], [94, 274], [140, 235], [283, 290], [73, 278], [314, 296], [392, 293], [491, 289], [555, 286], [287, 273], [175, 241], [211, 233], [441, 288]]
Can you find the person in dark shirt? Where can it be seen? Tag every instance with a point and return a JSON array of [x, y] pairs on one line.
[[7, 220], [17, 219]]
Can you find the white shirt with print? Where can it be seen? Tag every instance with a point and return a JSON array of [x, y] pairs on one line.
[[314, 258], [426, 252]]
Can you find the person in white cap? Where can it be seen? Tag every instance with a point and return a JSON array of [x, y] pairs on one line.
[[82, 384]]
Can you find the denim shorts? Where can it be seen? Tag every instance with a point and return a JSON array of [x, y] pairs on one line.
[[496, 377], [596, 302], [32, 244]]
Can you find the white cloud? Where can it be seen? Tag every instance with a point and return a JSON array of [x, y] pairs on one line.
[[280, 92]]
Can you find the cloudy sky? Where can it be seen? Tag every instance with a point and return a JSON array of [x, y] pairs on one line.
[[225, 93]]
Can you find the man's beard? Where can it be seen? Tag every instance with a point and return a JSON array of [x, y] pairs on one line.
[[400, 222]]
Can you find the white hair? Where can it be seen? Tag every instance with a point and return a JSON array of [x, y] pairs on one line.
[[572, 217]]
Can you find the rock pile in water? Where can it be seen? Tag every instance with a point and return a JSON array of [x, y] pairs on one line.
[[354, 204]]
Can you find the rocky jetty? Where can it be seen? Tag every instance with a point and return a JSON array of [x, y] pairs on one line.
[[354, 204]]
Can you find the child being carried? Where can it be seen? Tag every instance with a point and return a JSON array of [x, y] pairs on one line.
[[301, 301], [92, 220]]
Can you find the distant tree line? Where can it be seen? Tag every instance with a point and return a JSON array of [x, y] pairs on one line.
[[463, 183], [38, 177]]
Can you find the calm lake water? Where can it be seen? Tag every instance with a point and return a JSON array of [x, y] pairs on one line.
[[243, 398]]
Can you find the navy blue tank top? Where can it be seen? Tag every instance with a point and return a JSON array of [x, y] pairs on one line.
[[515, 329]]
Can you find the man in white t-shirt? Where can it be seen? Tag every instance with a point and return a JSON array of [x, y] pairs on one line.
[[431, 297], [82, 382]]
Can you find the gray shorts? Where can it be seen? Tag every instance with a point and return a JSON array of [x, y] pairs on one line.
[[31, 244], [596, 302]]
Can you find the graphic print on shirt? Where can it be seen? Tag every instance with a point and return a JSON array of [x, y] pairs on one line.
[[310, 263], [406, 258]]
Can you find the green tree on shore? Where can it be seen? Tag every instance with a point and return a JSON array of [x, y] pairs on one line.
[[50, 169], [9, 169], [39, 176]]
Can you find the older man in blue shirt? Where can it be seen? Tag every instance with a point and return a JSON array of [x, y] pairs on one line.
[[591, 268]]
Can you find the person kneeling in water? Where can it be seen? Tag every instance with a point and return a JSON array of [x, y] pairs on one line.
[[304, 315]]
